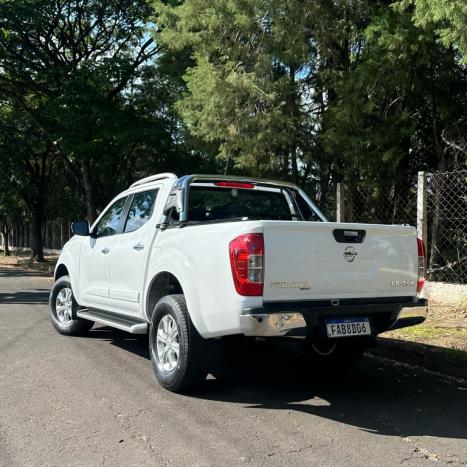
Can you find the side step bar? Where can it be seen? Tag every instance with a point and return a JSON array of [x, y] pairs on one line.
[[114, 320]]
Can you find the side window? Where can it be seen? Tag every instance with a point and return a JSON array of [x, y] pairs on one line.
[[140, 210], [307, 213], [108, 225]]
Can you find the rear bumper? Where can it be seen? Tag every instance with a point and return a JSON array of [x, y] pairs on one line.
[[308, 319]]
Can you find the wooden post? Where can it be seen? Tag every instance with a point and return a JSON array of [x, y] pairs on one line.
[[422, 208], [340, 207]]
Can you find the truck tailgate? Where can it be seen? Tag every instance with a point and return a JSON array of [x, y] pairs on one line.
[[322, 260]]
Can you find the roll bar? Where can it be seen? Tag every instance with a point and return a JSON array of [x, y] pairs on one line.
[[179, 195]]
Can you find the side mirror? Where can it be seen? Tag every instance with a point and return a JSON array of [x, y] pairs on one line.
[[80, 228]]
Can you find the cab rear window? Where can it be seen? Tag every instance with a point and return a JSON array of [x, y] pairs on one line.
[[215, 204]]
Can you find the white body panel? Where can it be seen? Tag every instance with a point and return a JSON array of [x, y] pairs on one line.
[[198, 256]]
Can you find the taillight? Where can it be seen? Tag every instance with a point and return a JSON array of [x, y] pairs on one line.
[[235, 184], [246, 260], [421, 265]]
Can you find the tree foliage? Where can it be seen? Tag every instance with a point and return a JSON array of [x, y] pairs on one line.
[[448, 18]]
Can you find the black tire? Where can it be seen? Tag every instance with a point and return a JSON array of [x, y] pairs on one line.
[[335, 353], [192, 362], [74, 326]]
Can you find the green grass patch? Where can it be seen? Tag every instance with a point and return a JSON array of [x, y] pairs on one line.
[[427, 331]]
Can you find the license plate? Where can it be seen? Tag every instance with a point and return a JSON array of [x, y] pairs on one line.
[[348, 327]]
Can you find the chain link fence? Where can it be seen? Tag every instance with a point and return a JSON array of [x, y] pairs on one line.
[[384, 203], [443, 212], [447, 226]]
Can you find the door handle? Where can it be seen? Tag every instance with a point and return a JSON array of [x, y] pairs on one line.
[[105, 250], [138, 247]]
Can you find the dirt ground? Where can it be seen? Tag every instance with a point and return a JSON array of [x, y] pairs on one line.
[[446, 325], [24, 261]]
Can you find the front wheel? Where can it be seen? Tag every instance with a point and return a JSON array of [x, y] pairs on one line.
[[178, 353], [63, 307]]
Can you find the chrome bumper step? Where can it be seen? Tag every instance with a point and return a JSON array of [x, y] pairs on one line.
[[114, 320]]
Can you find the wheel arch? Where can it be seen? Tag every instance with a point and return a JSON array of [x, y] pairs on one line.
[[68, 265], [163, 283], [61, 271], [168, 282]]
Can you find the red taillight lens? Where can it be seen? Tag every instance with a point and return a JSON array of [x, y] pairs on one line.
[[235, 184], [246, 260], [421, 265]]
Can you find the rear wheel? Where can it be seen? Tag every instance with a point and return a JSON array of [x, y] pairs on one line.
[[63, 307], [178, 353]]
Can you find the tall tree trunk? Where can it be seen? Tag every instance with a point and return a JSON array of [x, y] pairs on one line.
[[89, 191], [6, 246], [37, 244]]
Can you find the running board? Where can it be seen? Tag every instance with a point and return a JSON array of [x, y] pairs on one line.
[[114, 320]]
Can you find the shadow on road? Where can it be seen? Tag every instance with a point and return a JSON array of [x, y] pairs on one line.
[[377, 396], [37, 296], [18, 272], [135, 343]]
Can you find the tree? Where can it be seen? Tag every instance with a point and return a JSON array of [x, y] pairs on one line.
[[81, 58], [447, 17], [27, 161], [400, 103], [242, 89], [8, 214], [261, 78]]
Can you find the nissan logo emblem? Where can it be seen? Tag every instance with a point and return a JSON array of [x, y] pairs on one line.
[[350, 253]]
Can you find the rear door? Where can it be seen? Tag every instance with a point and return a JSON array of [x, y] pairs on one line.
[[130, 251], [322, 260]]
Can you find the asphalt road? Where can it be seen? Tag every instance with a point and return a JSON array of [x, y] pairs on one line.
[[94, 400]]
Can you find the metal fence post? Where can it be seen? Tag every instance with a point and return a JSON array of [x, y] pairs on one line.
[[340, 208], [422, 208]]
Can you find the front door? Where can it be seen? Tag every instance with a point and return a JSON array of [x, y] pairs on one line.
[[95, 257]]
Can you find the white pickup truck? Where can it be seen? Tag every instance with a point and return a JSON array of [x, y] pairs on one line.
[[191, 260]]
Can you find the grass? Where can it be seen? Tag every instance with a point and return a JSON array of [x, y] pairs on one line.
[[426, 331], [452, 340]]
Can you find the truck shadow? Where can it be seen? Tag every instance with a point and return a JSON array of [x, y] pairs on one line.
[[378, 396], [135, 343]]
